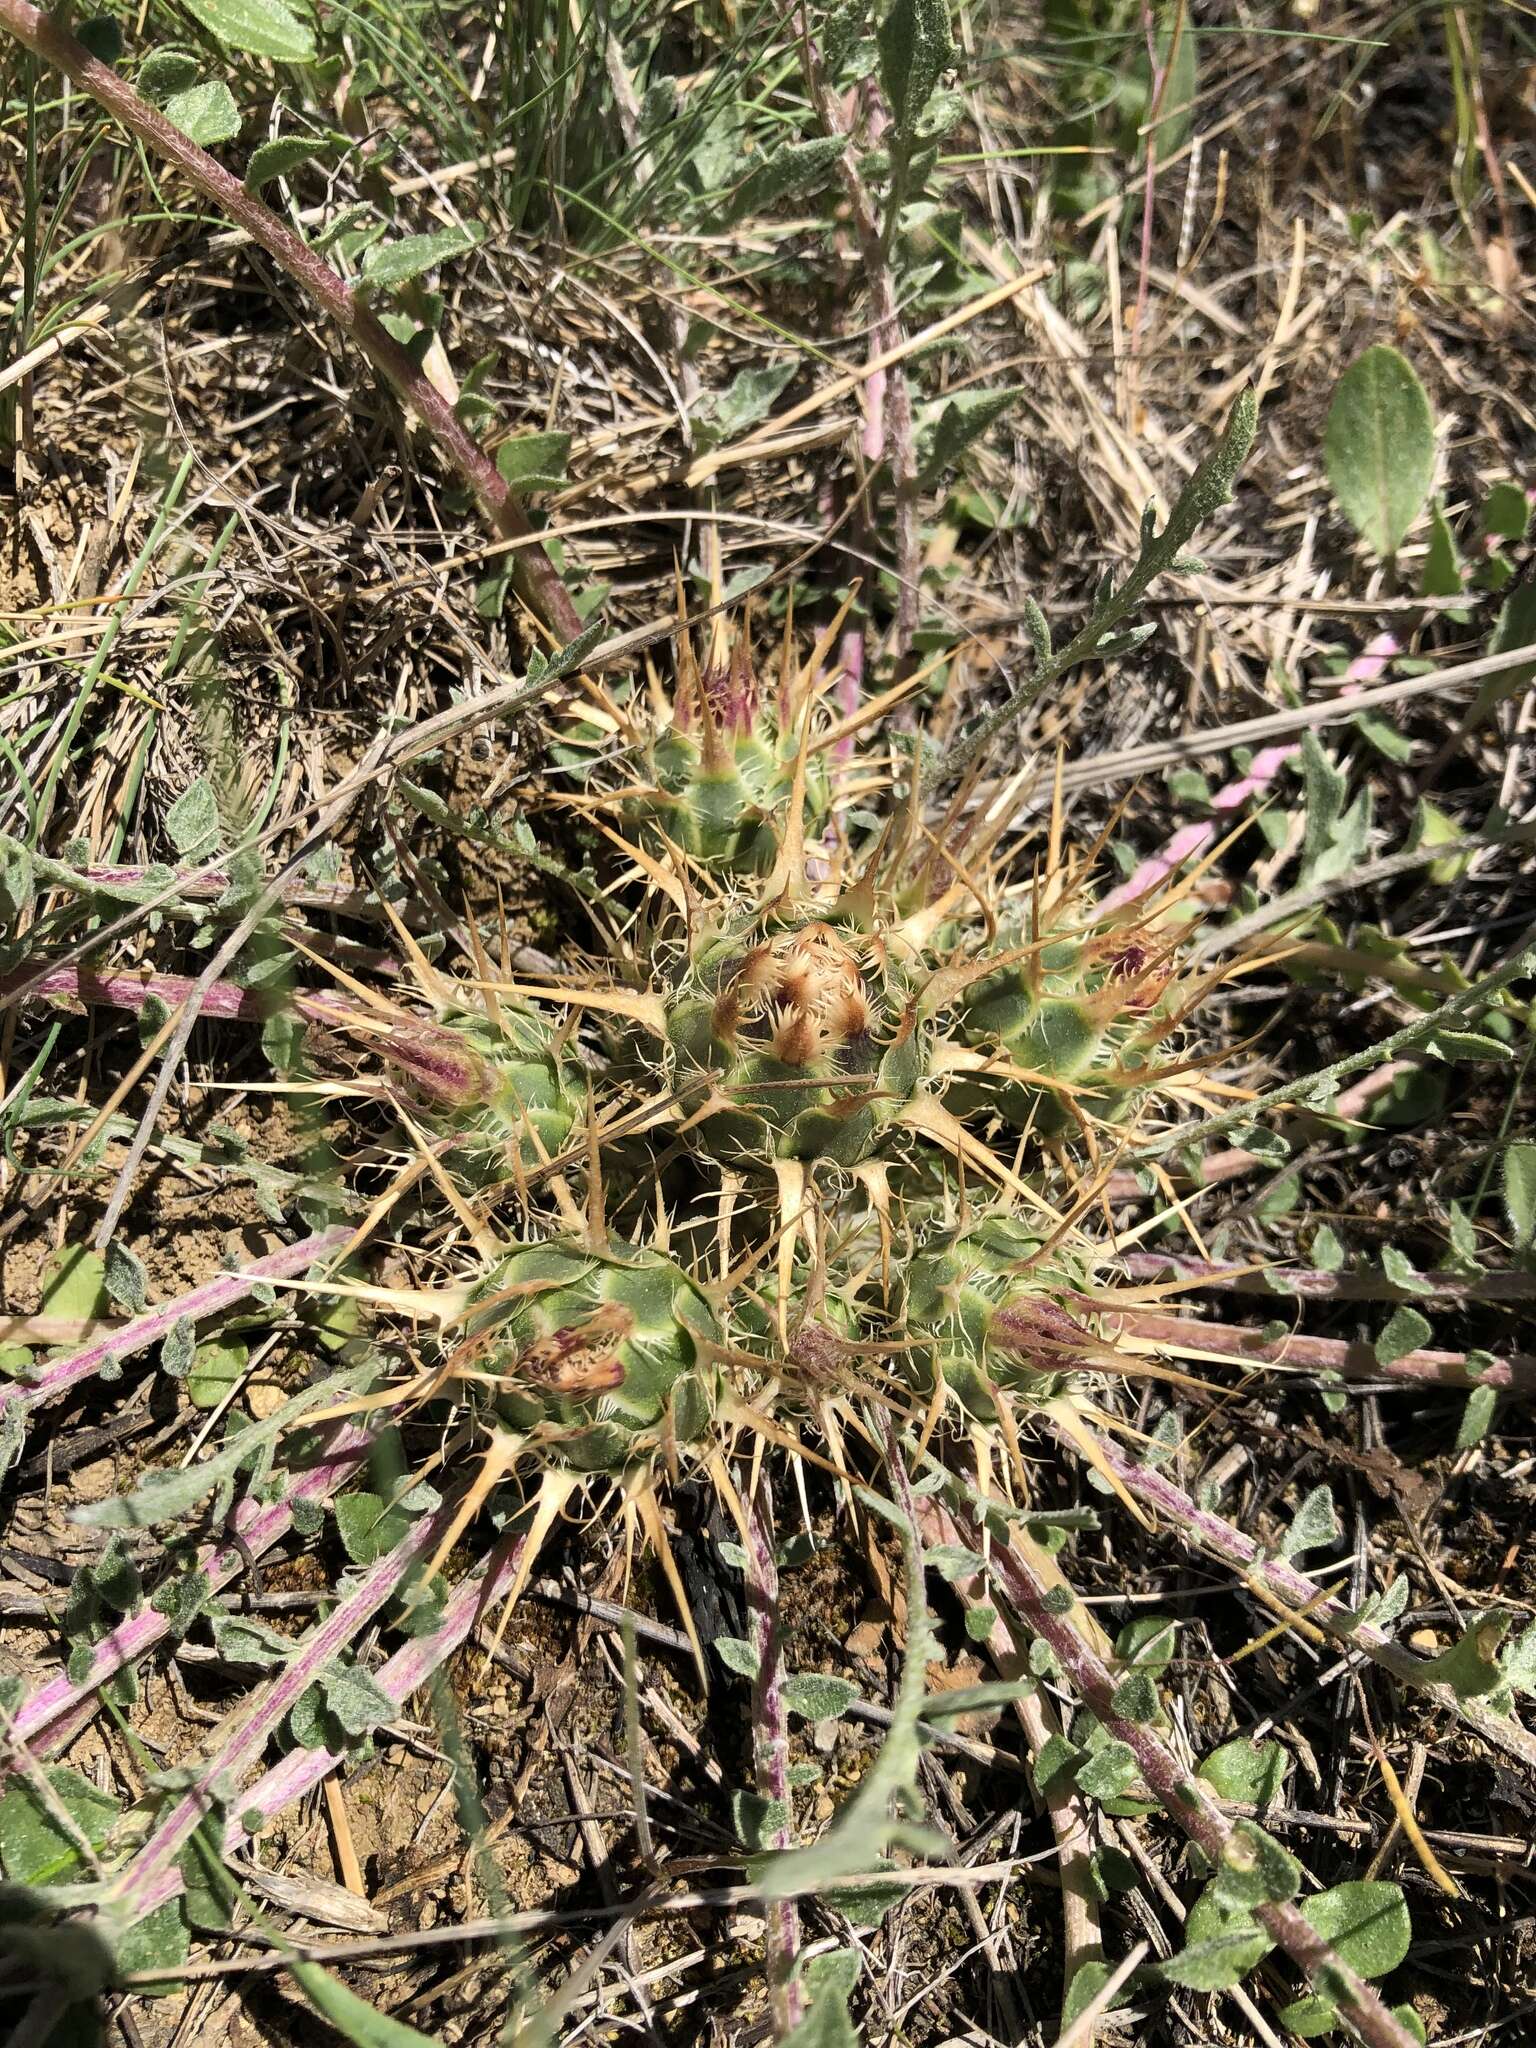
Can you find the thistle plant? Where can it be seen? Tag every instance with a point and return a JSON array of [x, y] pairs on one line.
[[803, 1154]]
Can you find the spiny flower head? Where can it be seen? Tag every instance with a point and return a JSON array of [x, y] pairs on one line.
[[992, 1307], [805, 1039], [601, 1353]]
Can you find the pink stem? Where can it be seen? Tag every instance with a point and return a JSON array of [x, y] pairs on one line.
[[153, 1876], [1175, 1787], [770, 1750], [410, 1667], [53, 1711], [1318, 1286], [1190, 841], [535, 576], [1515, 1373], [140, 1332], [1218, 1538]]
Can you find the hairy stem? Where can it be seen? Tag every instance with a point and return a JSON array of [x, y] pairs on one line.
[[1175, 1788], [770, 1752], [54, 1712], [400, 1676], [1313, 1285], [887, 395], [1207, 488], [1210, 1533], [1082, 1938], [143, 1884], [156, 1324], [1354, 1361], [536, 579]]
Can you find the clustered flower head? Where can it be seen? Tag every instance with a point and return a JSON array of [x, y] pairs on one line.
[[824, 1115]]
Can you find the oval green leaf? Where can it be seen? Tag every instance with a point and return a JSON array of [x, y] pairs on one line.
[[1379, 446], [205, 115], [1366, 1924]]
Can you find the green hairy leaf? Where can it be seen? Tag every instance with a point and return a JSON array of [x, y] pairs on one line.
[[533, 462], [39, 1829], [280, 158], [818, 1697], [1379, 446], [257, 28], [1406, 1331], [368, 1527], [1254, 1870], [205, 114], [959, 422], [1470, 1667], [1246, 1772], [794, 167], [390, 264], [217, 1368], [1520, 1192], [737, 1655], [1315, 1523], [916, 45], [127, 1282]]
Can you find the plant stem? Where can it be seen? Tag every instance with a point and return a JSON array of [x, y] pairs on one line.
[[1082, 1938], [1312, 1285], [1458, 1012], [536, 578], [1355, 1361], [140, 1332], [400, 1676], [887, 396], [1207, 488], [143, 1885], [770, 1753], [1177, 1790], [1210, 1533], [55, 1711]]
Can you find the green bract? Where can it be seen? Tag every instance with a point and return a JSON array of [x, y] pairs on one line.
[[720, 798], [1075, 1023]]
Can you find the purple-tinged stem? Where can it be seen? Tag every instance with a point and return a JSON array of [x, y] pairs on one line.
[[1352, 1361], [536, 578], [1313, 1285], [1181, 1795], [401, 1675], [131, 988], [886, 397], [54, 1711], [1082, 1939], [140, 1332], [770, 1753], [440, 1062], [152, 1876], [1216, 1537]]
